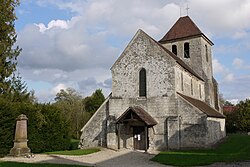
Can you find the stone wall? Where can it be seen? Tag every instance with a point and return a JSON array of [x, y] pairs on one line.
[[160, 108], [143, 52], [193, 125], [195, 62], [188, 84], [198, 61], [94, 133], [196, 129], [216, 130]]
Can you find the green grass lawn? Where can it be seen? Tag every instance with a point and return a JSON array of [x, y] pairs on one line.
[[70, 152], [235, 148], [19, 164], [75, 152]]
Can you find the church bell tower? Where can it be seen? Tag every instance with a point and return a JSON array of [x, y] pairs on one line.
[[188, 43]]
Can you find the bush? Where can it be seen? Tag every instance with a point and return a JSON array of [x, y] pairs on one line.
[[239, 119], [7, 127], [243, 116], [47, 130], [231, 122]]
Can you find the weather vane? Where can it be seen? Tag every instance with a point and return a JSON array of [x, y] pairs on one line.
[[187, 8]]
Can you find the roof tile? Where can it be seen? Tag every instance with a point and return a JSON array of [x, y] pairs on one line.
[[184, 27], [141, 113], [209, 111]]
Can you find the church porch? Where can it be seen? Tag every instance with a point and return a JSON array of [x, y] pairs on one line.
[[132, 129]]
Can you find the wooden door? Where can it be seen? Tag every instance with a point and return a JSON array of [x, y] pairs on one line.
[[139, 137]]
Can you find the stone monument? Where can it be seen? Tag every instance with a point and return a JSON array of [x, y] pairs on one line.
[[20, 142]]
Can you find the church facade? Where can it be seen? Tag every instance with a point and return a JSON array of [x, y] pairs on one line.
[[164, 95]]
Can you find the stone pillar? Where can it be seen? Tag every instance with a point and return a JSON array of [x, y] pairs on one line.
[[20, 142]]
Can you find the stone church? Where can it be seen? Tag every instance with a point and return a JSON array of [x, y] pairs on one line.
[[164, 95]]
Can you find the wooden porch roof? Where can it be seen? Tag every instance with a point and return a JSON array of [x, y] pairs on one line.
[[140, 113]]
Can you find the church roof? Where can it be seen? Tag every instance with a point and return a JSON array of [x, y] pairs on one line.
[[183, 28], [209, 111], [141, 113]]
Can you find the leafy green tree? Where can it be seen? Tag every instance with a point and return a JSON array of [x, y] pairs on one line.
[[47, 129], [228, 103], [93, 102], [239, 119], [243, 116], [71, 104], [231, 122], [8, 52]]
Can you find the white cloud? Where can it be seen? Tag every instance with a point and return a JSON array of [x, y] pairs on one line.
[[53, 24], [218, 67], [240, 34], [229, 77], [234, 101], [237, 62], [240, 64], [59, 87], [224, 17], [65, 49], [236, 89], [83, 48]]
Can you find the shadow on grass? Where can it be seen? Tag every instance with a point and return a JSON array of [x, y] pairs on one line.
[[75, 152], [235, 148], [65, 161], [21, 164]]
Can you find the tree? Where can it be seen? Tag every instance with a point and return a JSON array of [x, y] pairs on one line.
[[93, 102], [71, 104], [228, 103], [19, 91], [8, 52], [243, 115], [239, 119], [47, 129]]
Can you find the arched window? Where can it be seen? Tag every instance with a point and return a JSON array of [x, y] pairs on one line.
[[174, 49], [142, 83], [206, 52], [186, 50]]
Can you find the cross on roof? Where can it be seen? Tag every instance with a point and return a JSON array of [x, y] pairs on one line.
[[187, 8]]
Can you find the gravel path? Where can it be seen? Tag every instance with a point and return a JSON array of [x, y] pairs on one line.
[[104, 158], [108, 158]]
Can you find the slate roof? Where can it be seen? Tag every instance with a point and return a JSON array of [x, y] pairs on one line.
[[141, 113], [209, 111], [183, 28]]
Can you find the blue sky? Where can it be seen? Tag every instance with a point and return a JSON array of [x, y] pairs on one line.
[[73, 43]]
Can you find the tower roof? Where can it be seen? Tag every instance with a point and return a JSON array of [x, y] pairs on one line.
[[183, 28]]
